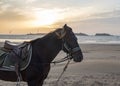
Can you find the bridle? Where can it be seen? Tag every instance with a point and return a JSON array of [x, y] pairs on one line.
[[70, 50]]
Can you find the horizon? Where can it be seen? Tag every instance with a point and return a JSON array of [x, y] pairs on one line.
[[34, 16], [49, 32]]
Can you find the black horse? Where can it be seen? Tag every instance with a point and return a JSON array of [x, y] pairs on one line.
[[44, 50]]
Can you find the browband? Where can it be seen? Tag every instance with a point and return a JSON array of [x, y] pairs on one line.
[[61, 35]]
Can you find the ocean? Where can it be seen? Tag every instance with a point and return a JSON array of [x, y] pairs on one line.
[[91, 39]]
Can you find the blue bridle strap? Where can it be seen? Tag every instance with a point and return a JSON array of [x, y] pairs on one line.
[[71, 50], [75, 49]]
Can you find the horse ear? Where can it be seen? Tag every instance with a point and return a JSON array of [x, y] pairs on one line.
[[65, 25]]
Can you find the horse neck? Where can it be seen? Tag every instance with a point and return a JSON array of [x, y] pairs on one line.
[[50, 46]]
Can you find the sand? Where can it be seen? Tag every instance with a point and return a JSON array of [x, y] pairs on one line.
[[100, 67]]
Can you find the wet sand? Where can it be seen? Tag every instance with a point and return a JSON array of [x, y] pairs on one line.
[[100, 67]]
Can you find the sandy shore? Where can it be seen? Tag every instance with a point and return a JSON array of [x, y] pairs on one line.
[[100, 67]]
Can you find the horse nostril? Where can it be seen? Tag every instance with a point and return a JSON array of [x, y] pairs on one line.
[[78, 59]]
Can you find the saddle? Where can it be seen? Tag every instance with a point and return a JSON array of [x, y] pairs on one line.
[[15, 53], [15, 57], [10, 45]]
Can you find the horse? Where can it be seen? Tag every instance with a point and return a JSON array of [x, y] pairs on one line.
[[44, 50]]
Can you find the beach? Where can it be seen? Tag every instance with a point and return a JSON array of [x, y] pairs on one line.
[[100, 67]]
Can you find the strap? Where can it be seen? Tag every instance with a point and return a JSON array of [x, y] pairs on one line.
[[62, 60], [61, 34], [75, 49]]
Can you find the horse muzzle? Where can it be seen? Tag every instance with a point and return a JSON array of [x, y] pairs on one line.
[[77, 56]]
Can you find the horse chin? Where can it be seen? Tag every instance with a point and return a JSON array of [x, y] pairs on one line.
[[77, 58]]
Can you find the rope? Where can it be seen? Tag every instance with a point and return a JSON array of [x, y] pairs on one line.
[[64, 69], [63, 59], [19, 80]]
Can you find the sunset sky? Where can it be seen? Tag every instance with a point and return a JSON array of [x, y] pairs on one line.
[[33, 16]]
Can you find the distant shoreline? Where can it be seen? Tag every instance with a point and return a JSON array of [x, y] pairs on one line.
[[78, 34]]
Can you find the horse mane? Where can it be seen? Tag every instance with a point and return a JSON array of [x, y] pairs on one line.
[[48, 35]]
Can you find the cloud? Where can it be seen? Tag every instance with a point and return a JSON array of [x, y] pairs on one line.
[[60, 3], [13, 16], [30, 1], [12, 10], [87, 16], [108, 20], [109, 14]]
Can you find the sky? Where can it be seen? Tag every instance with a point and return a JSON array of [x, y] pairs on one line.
[[43, 16]]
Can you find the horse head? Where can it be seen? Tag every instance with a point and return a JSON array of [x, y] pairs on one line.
[[69, 43]]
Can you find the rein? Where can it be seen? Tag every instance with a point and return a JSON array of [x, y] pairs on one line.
[[64, 69], [68, 57]]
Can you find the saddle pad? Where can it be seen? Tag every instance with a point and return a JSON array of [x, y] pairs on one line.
[[7, 64], [26, 60], [3, 54]]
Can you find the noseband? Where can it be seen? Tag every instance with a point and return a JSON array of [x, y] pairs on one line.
[[64, 44], [71, 51]]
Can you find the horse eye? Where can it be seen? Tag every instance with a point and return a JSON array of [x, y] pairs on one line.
[[70, 29], [75, 38]]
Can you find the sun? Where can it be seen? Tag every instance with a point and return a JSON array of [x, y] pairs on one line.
[[44, 18]]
